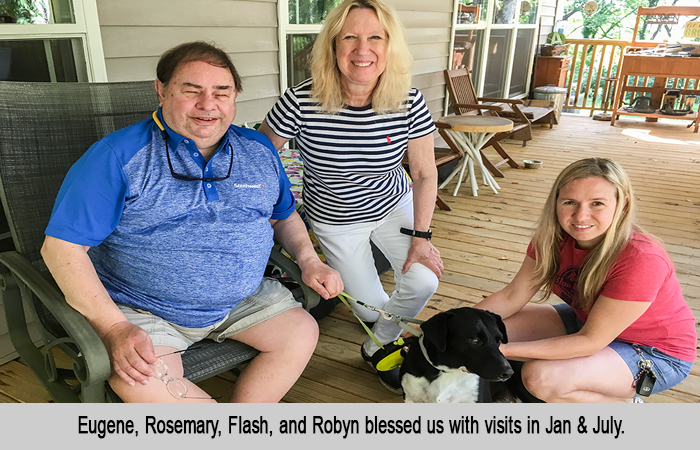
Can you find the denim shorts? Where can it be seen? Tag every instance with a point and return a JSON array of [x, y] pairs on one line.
[[669, 370], [268, 300]]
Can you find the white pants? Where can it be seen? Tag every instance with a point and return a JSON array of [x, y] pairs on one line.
[[347, 250]]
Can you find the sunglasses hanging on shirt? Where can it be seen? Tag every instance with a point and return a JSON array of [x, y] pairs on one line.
[[179, 176]]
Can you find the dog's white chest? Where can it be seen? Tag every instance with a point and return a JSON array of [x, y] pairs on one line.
[[449, 387]]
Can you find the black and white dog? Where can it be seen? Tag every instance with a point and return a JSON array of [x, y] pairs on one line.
[[455, 358]]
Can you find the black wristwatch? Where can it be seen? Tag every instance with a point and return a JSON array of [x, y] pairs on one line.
[[421, 234]]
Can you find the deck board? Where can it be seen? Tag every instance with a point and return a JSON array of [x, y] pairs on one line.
[[483, 239]]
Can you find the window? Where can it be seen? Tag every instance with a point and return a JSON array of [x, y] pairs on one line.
[[36, 11], [471, 11], [304, 20], [495, 40], [50, 40], [497, 63], [467, 52], [521, 61], [310, 12], [299, 57], [42, 60]]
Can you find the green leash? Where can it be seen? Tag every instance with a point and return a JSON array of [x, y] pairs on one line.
[[399, 320]]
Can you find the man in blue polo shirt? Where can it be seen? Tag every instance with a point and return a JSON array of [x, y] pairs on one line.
[[161, 232]]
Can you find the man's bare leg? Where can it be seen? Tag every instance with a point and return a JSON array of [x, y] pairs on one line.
[[286, 343], [156, 391]]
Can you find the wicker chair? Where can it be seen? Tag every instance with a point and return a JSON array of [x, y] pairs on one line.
[[45, 128]]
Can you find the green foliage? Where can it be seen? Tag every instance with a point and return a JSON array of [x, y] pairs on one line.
[[530, 16], [614, 19], [608, 22], [21, 11], [310, 11]]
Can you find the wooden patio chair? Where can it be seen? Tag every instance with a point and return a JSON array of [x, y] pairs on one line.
[[45, 128], [463, 100]]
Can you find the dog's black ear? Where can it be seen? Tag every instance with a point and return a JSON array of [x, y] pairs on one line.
[[435, 330], [501, 327]]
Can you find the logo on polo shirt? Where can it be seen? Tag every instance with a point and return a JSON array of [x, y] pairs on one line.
[[248, 186]]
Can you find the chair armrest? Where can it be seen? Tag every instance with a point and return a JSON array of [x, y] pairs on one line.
[[311, 297], [517, 115], [501, 100], [476, 106], [513, 115], [21, 279], [540, 103]]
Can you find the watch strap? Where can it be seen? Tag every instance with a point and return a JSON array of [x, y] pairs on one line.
[[420, 234]]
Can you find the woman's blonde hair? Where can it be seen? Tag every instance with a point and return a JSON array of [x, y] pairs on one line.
[[597, 264], [393, 85]]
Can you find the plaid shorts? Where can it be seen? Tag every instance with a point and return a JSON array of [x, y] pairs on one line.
[[268, 300]]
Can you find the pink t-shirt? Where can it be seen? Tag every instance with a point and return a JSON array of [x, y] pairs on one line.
[[643, 273]]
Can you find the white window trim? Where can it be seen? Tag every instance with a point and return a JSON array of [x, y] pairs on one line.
[[93, 41], [86, 28], [486, 26], [282, 26], [286, 29]]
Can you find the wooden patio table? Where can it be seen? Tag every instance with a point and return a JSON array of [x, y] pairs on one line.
[[471, 132]]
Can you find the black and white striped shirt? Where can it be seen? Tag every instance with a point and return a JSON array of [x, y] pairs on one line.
[[352, 159]]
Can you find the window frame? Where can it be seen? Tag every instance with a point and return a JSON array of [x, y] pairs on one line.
[[486, 26], [286, 29], [86, 28]]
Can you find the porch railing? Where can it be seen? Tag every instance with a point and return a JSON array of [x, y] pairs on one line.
[[596, 59], [593, 60]]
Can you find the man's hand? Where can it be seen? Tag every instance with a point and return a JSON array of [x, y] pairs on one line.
[[321, 278], [422, 251], [131, 351]]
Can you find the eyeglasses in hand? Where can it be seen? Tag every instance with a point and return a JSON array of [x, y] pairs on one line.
[[175, 386]]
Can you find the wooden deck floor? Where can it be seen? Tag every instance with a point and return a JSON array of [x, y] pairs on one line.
[[483, 239]]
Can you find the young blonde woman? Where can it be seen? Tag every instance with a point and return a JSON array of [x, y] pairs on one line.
[[623, 302], [353, 121]]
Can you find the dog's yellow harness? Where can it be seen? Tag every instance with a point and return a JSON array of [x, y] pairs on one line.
[[395, 358]]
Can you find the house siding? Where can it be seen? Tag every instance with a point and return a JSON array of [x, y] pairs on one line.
[[135, 33], [548, 11], [428, 28]]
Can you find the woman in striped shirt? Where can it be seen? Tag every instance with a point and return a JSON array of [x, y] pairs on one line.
[[353, 122]]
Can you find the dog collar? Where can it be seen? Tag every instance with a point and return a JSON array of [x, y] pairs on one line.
[[427, 358], [425, 353]]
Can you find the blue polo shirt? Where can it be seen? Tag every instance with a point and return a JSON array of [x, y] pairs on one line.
[[187, 251]]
